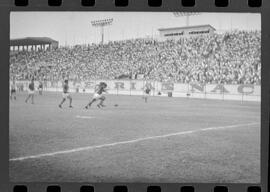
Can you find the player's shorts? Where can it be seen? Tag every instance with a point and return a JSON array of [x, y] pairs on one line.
[[97, 96], [40, 88], [65, 95], [31, 92], [13, 91]]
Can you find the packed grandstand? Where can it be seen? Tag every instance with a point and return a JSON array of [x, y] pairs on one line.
[[229, 58]]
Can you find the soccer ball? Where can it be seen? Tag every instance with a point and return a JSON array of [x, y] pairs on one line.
[[116, 105]]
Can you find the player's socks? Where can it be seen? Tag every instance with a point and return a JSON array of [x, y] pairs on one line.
[[70, 106], [101, 105]]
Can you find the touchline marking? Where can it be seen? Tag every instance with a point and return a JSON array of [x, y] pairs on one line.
[[126, 142], [84, 117]]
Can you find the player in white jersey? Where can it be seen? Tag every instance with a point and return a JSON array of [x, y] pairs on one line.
[[98, 95]]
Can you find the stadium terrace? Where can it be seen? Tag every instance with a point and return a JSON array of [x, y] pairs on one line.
[[229, 58]]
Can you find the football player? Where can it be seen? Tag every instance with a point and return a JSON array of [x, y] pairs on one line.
[[31, 91], [40, 87], [147, 91], [13, 90], [66, 95], [98, 95]]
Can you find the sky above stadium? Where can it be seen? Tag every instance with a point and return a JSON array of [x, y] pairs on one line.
[[71, 28]]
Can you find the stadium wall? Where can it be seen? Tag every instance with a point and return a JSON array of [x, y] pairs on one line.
[[247, 92]]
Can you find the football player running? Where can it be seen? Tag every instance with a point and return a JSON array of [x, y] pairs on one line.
[[66, 94], [98, 95]]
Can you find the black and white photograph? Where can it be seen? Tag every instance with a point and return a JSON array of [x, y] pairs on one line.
[[153, 97]]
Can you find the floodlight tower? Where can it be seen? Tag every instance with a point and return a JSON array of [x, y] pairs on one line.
[[102, 23], [185, 14]]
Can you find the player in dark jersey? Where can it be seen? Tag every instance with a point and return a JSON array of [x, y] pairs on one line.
[[13, 91], [98, 95], [66, 94], [31, 91], [40, 87], [147, 91]]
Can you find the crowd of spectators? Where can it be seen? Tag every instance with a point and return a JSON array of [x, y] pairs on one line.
[[230, 58]]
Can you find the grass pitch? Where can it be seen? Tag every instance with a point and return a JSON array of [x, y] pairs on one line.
[[164, 140]]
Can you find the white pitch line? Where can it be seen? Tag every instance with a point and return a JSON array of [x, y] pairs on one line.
[[126, 142], [84, 117]]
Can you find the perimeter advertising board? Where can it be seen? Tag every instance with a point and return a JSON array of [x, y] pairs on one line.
[[136, 87]]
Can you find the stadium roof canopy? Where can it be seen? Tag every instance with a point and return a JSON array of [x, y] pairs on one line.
[[186, 27], [32, 41]]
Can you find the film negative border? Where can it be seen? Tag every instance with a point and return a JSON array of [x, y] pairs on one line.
[[151, 3], [134, 5], [100, 187]]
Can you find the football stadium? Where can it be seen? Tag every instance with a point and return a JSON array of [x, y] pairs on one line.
[[199, 121]]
